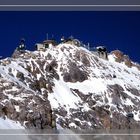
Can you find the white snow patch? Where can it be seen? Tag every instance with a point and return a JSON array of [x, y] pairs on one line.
[[62, 96], [72, 125], [9, 124], [89, 86], [17, 108], [111, 58], [38, 76], [85, 107]]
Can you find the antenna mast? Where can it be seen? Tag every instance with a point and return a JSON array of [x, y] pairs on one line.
[[88, 46]]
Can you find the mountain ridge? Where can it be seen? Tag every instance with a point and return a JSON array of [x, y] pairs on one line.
[[69, 86]]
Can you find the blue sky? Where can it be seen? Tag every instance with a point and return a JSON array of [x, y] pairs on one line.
[[115, 30]]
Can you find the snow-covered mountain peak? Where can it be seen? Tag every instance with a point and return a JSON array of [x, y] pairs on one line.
[[69, 86]]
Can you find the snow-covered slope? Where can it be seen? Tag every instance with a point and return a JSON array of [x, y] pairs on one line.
[[69, 86], [9, 124]]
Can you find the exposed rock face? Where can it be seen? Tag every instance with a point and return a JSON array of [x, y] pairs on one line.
[[69, 86], [32, 111], [25, 99], [75, 74], [120, 57], [20, 76], [16, 53]]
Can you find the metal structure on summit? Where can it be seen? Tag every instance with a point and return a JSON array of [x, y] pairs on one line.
[[46, 43], [71, 40], [21, 46], [102, 52]]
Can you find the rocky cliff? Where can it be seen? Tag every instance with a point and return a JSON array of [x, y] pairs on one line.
[[69, 86]]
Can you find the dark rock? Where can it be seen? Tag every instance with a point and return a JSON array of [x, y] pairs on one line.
[[50, 67], [119, 55], [67, 77], [3, 96], [85, 60], [42, 82], [20, 76], [134, 91], [35, 85], [49, 56], [75, 74]]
